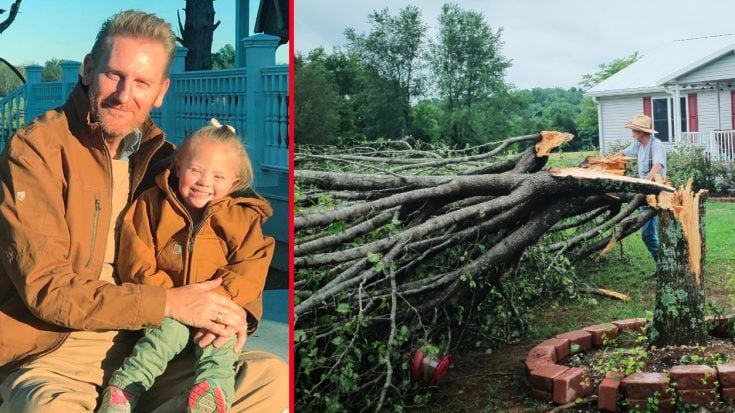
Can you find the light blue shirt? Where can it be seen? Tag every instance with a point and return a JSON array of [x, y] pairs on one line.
[[654, 149], [131, 144]]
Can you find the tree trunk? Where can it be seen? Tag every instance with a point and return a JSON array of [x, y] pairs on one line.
[[678, 318], [197, 33]]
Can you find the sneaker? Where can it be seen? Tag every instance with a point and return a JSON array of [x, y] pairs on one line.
[[207, 397], [116, 400]]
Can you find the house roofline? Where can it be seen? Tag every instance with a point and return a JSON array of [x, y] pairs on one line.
[[633, 91], [695, 65]]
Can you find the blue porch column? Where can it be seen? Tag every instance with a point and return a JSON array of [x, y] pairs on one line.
[[168, 110], [33, 77], [69, 76], [260, 51]]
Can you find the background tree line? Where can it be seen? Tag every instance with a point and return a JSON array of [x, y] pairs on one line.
[[395, 81]]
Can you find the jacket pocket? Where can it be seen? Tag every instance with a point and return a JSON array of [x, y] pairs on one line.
[[170, 258]]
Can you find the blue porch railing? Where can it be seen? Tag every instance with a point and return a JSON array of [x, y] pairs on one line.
[[253, 99]]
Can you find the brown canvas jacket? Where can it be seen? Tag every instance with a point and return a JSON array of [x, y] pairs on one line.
[[54, 215], [160, 245]]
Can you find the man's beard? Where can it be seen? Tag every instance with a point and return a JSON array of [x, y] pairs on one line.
[[98, 115]]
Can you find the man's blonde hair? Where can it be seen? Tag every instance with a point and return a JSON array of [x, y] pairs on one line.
[[222, 134], [135, 24]]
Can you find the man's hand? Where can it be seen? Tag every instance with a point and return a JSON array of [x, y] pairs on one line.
[[196, 305], [204, 337]]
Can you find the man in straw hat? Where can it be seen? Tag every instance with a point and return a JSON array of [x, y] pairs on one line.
[[651, 156]]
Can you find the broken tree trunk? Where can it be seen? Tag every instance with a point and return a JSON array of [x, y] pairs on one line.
[[678, 318]]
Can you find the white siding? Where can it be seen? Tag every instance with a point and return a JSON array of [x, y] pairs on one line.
[[616, 112], [707, 110], [725, 111], [722, 68]]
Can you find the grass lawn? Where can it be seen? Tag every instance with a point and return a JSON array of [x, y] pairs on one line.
[[569, 159], [631, 273]]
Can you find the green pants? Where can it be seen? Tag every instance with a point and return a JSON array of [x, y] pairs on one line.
[[160, 345]]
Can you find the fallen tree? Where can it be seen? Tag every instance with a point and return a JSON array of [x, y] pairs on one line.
[[392, 239]]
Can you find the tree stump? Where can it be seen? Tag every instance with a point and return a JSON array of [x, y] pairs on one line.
[[678, 317]]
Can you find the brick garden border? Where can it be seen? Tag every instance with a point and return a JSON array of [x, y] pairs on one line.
[[550, 381]]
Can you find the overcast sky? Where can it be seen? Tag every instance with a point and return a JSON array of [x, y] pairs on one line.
[[550, 42]]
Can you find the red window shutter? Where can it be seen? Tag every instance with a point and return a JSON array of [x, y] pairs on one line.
[[647, 106], [732, 107], [693, 118]]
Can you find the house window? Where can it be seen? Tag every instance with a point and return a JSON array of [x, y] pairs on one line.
[[663, 117]]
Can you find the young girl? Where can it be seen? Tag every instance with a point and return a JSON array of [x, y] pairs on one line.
[[197, 223]]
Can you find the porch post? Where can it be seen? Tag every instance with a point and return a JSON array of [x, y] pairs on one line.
[[33, 77], [677, 114], [168, 110], [260, 52], [69, 76], [719, 115]]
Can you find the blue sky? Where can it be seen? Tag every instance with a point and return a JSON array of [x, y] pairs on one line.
[[66, 29]]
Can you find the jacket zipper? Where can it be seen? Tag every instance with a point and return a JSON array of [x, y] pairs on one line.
[[190, 247], [192, 237], [95, 220]]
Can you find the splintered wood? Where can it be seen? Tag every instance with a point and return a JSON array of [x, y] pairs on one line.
[[685, 206], [614, 164], [587, 173], [551, 140]]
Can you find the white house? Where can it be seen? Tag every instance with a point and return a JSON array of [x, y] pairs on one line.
[[688, 89]]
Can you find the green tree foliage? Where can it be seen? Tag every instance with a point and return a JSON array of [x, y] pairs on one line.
[[51, 70], [392, 52], [607, 70], [346, 71], [587, 124], [469, 72], [317, 102], [550, 109], [588, 132], [9, 81], [224, 58], [427, 117]]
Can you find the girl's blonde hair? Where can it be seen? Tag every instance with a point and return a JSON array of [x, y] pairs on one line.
[[215, 132]]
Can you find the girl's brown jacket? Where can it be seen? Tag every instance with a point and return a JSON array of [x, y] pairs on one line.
[[160, 245]]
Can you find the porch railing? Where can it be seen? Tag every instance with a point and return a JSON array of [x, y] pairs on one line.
[[12, 114], [718, 144]]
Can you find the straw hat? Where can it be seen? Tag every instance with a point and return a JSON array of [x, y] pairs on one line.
[[641, 123]]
